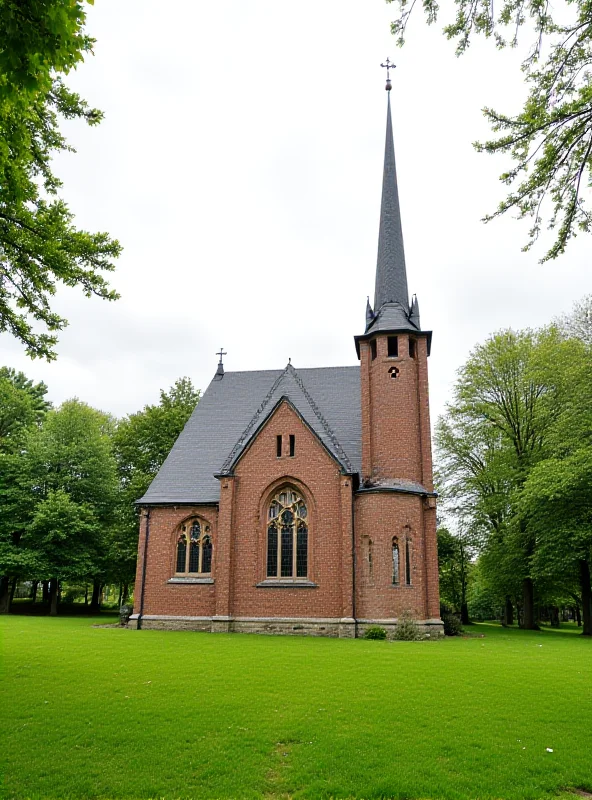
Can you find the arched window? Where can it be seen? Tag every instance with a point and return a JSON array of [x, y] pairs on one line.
[[396, 562], [194, 548], [287, 536], [408, 562]]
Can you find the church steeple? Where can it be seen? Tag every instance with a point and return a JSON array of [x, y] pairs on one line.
[[391, 274], [392, 312]]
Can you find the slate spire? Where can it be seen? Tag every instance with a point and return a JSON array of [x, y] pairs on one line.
[[391, 275]]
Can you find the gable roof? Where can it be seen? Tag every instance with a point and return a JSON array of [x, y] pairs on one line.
[[232, 411]]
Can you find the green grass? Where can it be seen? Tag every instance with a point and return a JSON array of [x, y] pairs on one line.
[[110, 713]]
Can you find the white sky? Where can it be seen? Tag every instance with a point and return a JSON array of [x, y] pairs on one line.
[[240, 165]]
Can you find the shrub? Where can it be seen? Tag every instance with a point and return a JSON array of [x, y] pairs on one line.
[[375, 632], [407, 629], [452, 625]]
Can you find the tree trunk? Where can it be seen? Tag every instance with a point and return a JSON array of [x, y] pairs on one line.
[[120, 598], [578, 616], [508, 611], [554, 615], [86, 594], [586, 598], [53, 598], [12, 590], [95, 603], [4, 594], [126, 593], [464, 614], [45, 592], [528, 623], [34, 586]]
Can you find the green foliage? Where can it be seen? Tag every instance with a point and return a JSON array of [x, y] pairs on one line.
[[407, 629], [550, 140], [141, 443], [65, 536], [375, 632], [455, 553], [452, 623], [39, 246]]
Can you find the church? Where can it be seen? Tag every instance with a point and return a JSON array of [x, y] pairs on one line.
[[301, 501]]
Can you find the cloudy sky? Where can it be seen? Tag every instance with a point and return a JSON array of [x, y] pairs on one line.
[[240, 165]]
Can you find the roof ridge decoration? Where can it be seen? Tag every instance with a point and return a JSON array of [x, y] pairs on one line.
[[248, 431], [391, 273]]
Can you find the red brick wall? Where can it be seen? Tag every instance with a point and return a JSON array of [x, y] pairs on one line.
[[395, 413], [378, 517], [160, 597], [313, 472]]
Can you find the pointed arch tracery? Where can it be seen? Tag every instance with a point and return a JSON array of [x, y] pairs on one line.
[[287, 535], [194, 548]]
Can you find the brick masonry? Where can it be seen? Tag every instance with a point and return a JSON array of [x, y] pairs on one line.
[[350, 561]]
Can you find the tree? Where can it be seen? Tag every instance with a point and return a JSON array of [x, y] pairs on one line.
[[490, 438], [454, 561], [141, 443], [550, 140], [74, 474], [578, 324], [555, 499], [40, 41], [22, 407]]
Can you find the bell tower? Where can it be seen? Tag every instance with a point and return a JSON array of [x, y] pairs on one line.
[[395, 504], [393, 351]]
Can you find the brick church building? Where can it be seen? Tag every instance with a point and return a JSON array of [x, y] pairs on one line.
[[300, 501]]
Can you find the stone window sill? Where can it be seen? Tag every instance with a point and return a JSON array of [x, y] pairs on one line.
[[402, 586], [288, 584], [190, 580]]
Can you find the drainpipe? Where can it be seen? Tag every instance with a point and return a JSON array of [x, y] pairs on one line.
[[144, 559], [354, 562]]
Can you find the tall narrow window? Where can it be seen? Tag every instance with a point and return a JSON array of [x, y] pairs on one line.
[[370, 560], [292, 445], [396, 562], [393, 346], [287, 536], [278, 446], [407, 562], [181, 552], [194, 549], [412, 347], [373, 351]]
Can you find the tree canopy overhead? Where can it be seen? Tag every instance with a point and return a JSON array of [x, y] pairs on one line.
[[40, 247], [550, 140]]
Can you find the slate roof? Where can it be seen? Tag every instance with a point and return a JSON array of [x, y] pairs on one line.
[[233, 409], [391, 274]]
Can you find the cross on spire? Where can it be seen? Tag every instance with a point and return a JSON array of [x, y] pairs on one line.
[[388, 66], [221, 353]]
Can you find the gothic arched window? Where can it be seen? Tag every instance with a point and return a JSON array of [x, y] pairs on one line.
[[396, 562], [287, 536], [194, 548]]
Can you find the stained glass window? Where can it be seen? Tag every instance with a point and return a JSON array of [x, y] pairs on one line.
[[181, 552], [194, 557], [287, 536]]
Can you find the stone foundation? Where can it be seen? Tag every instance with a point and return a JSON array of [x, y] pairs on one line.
[[346, 628]]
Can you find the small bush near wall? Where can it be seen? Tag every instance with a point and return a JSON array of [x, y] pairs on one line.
[[375, 632], [407, 629]]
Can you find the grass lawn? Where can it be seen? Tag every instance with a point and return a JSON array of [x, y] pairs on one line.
[[109, 713]]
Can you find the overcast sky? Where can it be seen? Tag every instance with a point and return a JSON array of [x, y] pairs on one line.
[[240, 166]]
